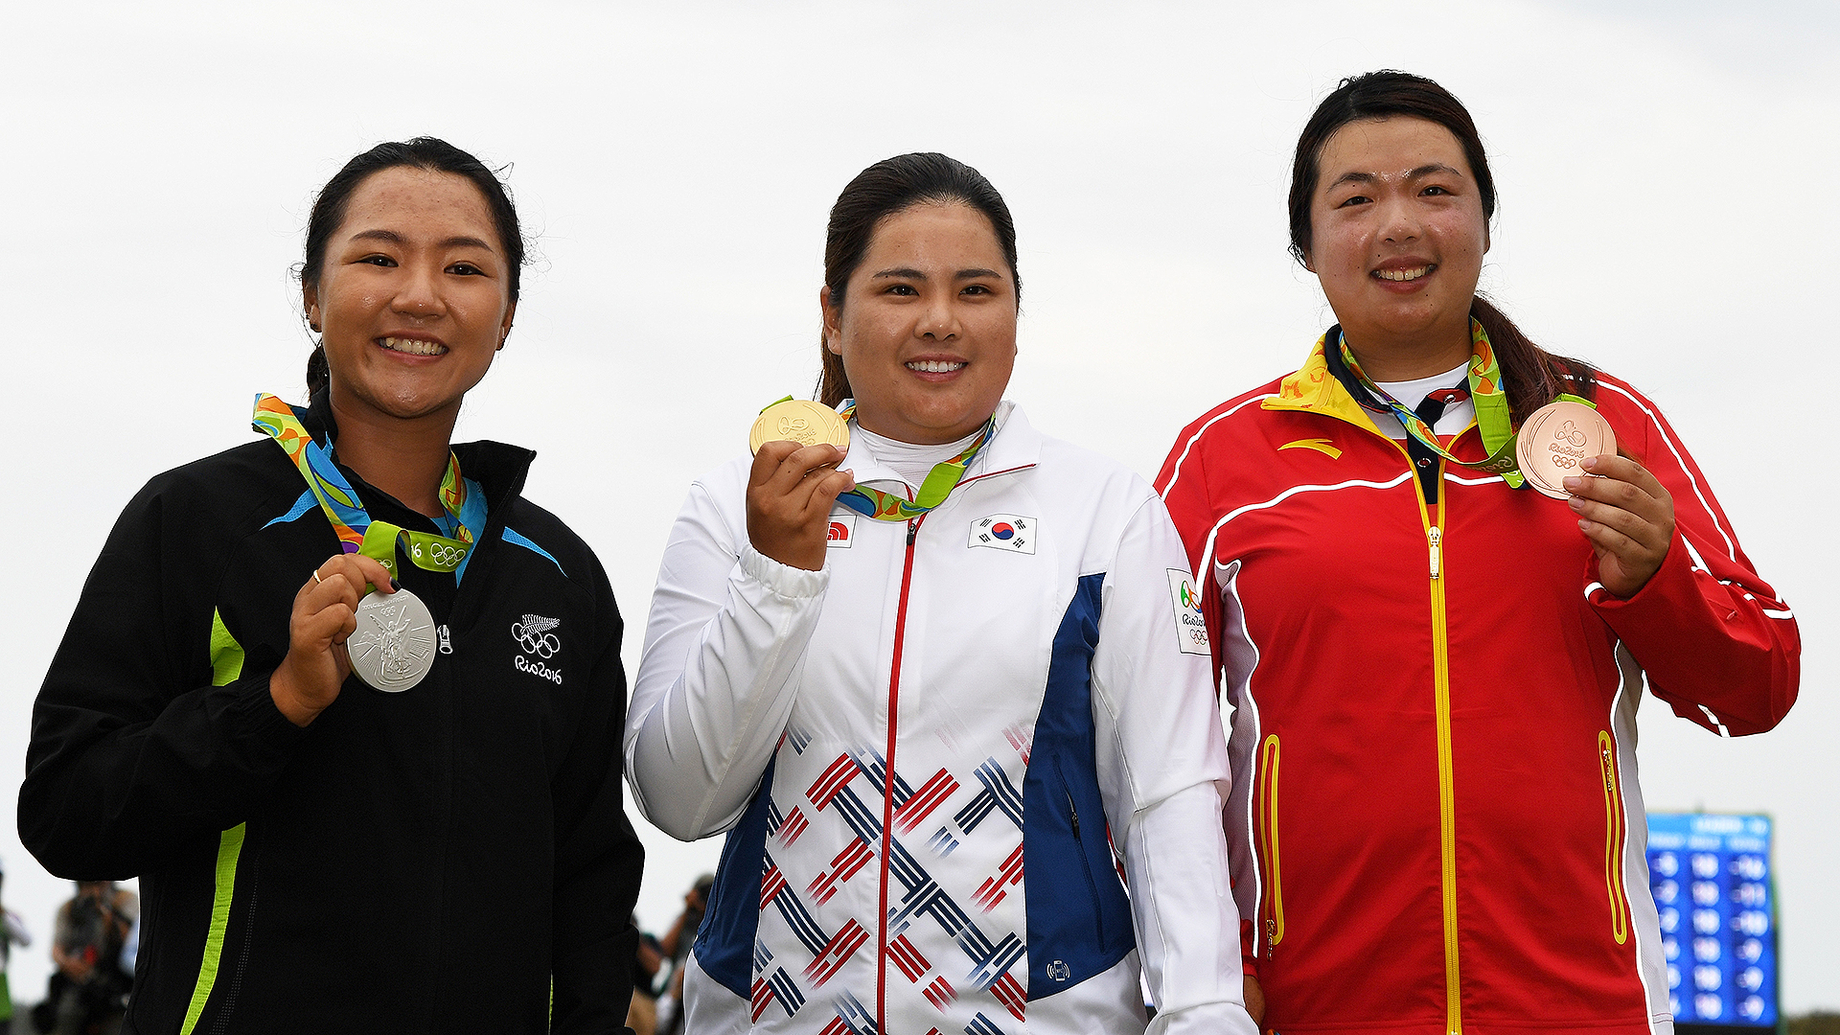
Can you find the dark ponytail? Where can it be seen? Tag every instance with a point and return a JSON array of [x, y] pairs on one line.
[[318, 376], [1532, 375]]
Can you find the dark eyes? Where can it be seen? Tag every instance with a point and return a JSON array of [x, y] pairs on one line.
[[1433, 191], [976, 289], [464, 269]]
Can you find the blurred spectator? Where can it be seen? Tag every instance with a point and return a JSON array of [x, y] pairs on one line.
[[642, 1015], [12, 932], [89, 990], [676, 942]]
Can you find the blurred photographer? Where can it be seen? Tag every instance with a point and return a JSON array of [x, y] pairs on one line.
[[12, 932], [89, 992]]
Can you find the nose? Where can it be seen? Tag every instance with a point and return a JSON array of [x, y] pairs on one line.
[[1399, 220], [939, 320], [418, 291]]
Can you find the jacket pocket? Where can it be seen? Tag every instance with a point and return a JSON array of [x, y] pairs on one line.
[[1086, 861], [1266, 818], [1613, 837]]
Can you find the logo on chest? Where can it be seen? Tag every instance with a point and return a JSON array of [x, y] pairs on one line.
[[536, 637], [1011, 533], [842, 532]]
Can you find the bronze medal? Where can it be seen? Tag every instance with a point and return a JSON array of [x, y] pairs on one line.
[[1556, 439], [801, 421]]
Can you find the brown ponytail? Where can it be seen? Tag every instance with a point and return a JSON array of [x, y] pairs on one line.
[[1532, 375]]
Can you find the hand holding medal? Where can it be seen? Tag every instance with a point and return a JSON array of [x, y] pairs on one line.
[[797, 446], [325, 614]]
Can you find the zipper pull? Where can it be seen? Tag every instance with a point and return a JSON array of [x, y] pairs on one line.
[[1271, 937], [1074, 813], [913, 529], [447, 645], [1435, 536]]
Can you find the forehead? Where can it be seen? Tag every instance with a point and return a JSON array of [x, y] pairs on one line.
[[416, 202], [1388, 147], [949, 233]]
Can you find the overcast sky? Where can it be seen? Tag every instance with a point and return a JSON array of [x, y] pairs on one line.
[[1666, 211]]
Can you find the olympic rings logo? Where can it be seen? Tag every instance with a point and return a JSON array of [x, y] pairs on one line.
[[443, 555], [543, 644]]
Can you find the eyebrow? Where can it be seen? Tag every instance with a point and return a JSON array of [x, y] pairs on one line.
[[909, 273], [391, 236], [1418, 173]]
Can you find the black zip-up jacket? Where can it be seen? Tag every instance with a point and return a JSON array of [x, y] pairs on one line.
[[425, 861]]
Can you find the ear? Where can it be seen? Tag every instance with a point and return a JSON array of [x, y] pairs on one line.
[[833, 322], [309, 300], [504, 328]]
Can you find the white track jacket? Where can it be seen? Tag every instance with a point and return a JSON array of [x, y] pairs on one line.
[[932, 756]]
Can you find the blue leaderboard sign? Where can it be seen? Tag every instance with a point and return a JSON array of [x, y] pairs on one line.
[[1713, 887]]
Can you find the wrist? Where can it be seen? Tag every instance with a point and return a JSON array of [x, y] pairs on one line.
[[283, 689]]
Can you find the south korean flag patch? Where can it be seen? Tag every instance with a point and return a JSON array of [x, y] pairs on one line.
[[1011, 533]]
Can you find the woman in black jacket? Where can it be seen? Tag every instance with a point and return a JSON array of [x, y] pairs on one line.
[[346, 703]]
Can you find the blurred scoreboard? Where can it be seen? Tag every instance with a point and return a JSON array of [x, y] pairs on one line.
[[1714, 889]]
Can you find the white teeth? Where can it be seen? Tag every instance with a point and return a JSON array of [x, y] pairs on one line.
[[1411, 274], [934, 366], [413, 347]]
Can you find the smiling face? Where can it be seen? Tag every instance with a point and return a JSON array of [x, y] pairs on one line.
[[927, 329], [413, 298], [1397, 236]]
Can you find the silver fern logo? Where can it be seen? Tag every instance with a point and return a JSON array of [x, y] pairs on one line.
[[534, 636]]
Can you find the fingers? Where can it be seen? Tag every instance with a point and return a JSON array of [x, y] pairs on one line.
[[345, 575], [780, 466], [1628, 516]]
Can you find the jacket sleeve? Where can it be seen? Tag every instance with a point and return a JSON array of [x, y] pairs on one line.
[[1714, 640], [1183, 484], [598, 858], [152, 726], [1163, 768], [724, 648]]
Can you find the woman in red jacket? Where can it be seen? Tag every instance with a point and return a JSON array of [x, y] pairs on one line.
[[1435, 599]]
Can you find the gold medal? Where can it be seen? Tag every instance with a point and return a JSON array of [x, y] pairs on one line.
[[1556, 439], [797, 420]]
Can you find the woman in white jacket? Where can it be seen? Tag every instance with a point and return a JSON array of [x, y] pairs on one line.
[[937, 688]]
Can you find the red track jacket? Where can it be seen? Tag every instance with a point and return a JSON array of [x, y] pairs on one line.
[[1435, 822]]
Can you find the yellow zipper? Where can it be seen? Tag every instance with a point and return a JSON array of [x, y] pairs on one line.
[[1447, 809], [1268, 830]]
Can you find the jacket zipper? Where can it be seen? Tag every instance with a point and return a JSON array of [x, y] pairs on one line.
[[1268, 842], [1447, 807], [894, 704]]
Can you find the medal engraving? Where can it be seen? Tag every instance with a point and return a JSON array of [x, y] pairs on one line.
[[394, 646], [1556, 440], [801, 421]]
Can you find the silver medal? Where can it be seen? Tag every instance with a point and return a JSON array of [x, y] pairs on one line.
[[394, 645]]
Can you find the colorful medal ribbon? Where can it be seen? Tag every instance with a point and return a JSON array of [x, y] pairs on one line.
[[355, 529], [1485, 392], [939, 483]]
